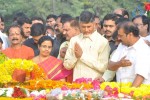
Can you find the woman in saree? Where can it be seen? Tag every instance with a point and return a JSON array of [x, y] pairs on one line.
[[52, 66]]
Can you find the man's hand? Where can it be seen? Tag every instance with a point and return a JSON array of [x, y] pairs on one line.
[[124, 62], [147, 42], [63, 52], [137, 81], [77, 50], [100, 79]]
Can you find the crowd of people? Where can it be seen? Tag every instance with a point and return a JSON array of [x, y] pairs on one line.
[[114, 48]]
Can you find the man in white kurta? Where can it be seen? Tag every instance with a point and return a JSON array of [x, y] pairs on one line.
[[88, 52], [131, 59], [139, 55]]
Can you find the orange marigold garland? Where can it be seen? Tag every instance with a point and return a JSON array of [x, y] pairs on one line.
[[37, 73]]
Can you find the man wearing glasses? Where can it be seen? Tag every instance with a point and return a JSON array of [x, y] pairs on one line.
[[142, 22]]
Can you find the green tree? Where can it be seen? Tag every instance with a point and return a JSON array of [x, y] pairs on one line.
[[43, 8]]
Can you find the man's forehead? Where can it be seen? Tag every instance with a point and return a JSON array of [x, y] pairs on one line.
[[51, 19], [14, 28], [26, 24], [66, 24], [121, 31], [109, 21], [12, 31]]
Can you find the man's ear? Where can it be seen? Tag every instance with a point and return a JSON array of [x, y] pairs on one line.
[[146, 26]]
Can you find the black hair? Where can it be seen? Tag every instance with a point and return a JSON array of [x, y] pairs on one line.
[[112, 17], [129, 27], [119, 16], [22, 20], [37, 18], [95, 16], [64, 18], [77, 18], [145, 20], [124, 12], [1, 41], [51, 16], [73, 22], [45, 38], [86, 17], [49, 27], [122, 19], [37, 29], [15, 26], [101, 23], [2, 18]]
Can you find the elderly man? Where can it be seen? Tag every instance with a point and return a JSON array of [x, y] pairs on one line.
[[121, 12], [88, 52], [70, 29]]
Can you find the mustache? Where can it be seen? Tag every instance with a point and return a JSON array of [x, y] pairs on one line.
[[108, 31], [28, 32], [14, 39]]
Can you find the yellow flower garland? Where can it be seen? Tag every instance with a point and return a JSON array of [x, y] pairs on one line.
[[12, 64], [141, 91], [8, 66]]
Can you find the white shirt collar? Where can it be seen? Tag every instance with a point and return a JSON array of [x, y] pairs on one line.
[[91, 36]]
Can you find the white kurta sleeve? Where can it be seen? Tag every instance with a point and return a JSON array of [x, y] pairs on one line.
[[70, 58], [108, 75]]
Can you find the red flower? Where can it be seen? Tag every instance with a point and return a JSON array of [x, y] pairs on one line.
[[18, 93], [147, 7]]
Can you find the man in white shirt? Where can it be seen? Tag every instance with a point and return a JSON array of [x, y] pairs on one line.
[[2, 35], [142, 22], [70, 29], [5, 40], [88, 52], [131, 59]]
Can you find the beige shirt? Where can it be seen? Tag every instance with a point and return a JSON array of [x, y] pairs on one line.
[[94, 59], [64, 44]]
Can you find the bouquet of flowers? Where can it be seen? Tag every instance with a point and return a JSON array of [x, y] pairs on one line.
[[147, 8]]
